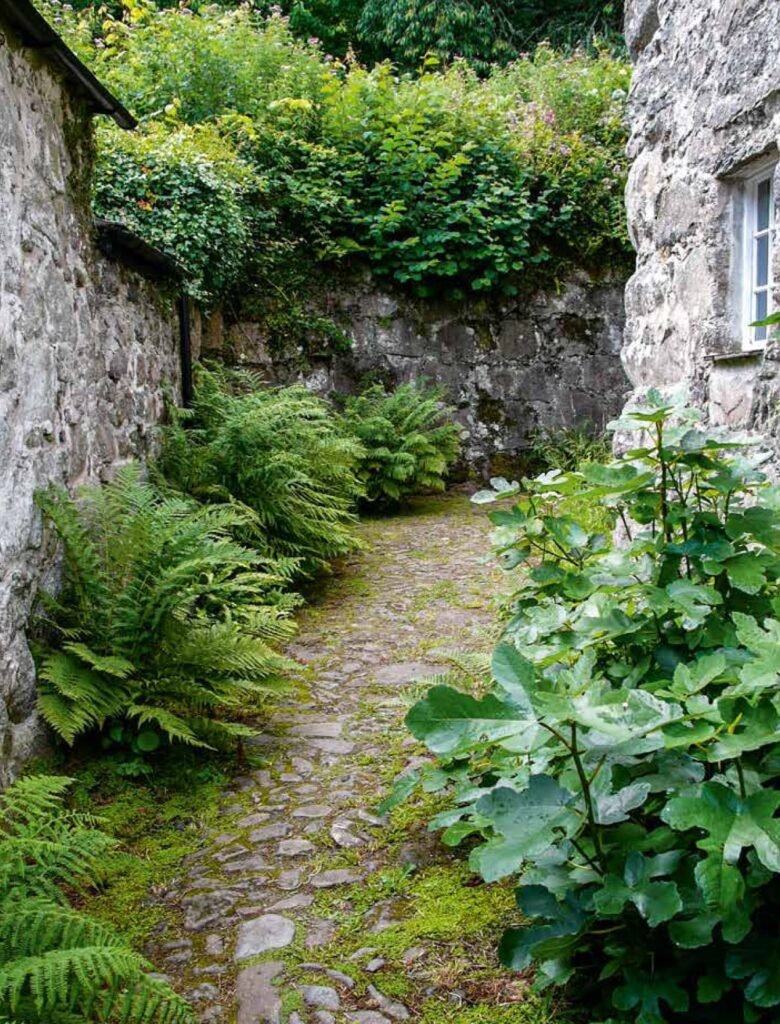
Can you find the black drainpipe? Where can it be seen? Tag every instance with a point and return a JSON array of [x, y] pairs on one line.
[[185, 351]]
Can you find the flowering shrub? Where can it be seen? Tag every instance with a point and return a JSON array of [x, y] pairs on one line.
[[260, 158]]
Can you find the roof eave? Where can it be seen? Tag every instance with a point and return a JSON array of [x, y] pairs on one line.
[[37, 34]]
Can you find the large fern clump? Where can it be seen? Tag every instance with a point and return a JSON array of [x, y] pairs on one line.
[[164, 620], [57, 965], [409, 440], [277, 450]]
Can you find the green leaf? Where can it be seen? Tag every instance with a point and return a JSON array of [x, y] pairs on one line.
[[746, 573], [612, 808], [403, 787], [695, 600], [527, 824], [695, 931], [514, 674], [759, 961], [656, 901], [449, 721], [555, 939], [710, 988], [695, 676], [733, 823], [644, 993]]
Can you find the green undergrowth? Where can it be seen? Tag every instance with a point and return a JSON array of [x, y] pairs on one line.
[[439, 910], [531, 1010], [158, 820]]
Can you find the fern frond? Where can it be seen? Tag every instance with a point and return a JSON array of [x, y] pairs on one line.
[[279, 451], [186, 613], [408, 437], [58, 966]]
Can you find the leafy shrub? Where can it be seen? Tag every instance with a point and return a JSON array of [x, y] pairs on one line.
[[278, 451], [444, 184], [567, 447], [409, 441], [460, 185], [624, 761], [163, 621], [484, 31], [58, 966], [185, 191], [213, 62]]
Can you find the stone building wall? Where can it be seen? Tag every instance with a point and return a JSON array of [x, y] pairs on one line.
[[551, 361], [86, 348], [704, 110]]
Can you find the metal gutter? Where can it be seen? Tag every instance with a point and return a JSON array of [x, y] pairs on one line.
[[37, 34], [120, 243]]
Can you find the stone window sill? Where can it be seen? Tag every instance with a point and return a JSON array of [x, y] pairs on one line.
[[737, 354]]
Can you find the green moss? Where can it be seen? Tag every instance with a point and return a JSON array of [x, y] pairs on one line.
[[158, 820], [491, 410], [531, 1010], [445, 906], [291, 1001], [444, 590]]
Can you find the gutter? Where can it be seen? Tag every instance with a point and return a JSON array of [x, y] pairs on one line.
[[37, 34]]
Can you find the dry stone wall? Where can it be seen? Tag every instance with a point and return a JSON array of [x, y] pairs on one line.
[[704, 109], [550, 361], [86, 348]]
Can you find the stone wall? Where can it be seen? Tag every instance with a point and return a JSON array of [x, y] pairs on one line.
[[551, 361], [704, 108], [86, 347]]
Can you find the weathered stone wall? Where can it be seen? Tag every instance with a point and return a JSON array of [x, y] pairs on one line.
[[86, 347], [551, 361], [704, 107]]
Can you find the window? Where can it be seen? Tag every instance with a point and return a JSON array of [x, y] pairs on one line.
[[759, 239]]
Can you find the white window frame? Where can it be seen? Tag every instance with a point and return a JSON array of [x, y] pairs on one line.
[[755, 337]]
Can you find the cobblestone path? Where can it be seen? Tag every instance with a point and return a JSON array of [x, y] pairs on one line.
[[307, 908]]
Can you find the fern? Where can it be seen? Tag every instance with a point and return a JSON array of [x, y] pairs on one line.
[[57, 965], [408, 438], [277, 451], [164, 619]]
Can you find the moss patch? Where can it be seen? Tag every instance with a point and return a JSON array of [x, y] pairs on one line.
[[159, 820]]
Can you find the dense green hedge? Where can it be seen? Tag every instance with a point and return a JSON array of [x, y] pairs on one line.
[[260, 159], [406, 31]]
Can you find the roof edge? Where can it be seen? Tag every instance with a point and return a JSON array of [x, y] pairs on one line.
[[118, 242], [37, 34]]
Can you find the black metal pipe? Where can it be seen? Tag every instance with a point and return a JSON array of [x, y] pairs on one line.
[[185, 351]]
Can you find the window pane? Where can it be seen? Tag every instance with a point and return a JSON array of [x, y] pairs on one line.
[[762, 262], [762, 307], [764, 200]]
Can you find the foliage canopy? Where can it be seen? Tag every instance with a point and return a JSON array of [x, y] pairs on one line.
[[443, 182]]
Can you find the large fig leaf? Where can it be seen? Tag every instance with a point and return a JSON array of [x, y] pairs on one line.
[[527, 824], [558, 936], [449, 721], [732, 823]]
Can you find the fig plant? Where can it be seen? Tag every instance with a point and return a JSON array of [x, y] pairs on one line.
[[622, 760]]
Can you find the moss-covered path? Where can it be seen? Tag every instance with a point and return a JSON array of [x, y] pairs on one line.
[[304, 906]]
